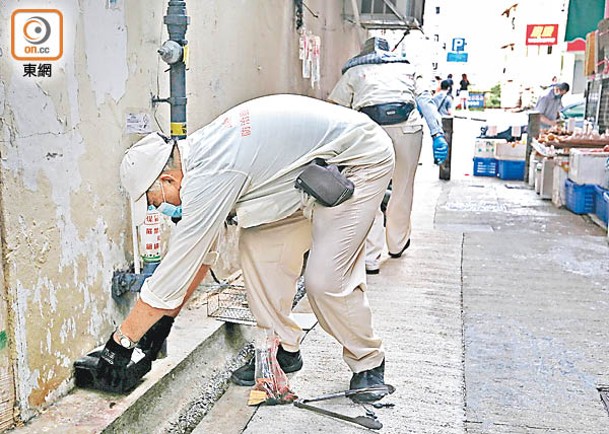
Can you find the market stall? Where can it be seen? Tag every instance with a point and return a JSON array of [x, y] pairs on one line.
[[571, 168]]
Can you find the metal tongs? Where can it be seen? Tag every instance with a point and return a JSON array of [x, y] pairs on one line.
[[370, 421]]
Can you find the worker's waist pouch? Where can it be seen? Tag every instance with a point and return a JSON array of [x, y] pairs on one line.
[[389, 113], [325, 183]]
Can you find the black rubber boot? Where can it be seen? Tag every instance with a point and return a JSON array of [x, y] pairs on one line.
[[289, 362], [369, 378]]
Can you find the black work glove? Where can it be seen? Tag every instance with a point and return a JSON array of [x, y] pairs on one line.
[[152, 341], [113, 361]]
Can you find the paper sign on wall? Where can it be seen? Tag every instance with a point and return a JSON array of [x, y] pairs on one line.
[[138, 123]]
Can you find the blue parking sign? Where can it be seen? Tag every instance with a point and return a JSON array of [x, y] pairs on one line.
[[459, 44]]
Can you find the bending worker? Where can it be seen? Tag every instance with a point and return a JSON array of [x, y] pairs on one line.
[[246, 162], [389, 89]]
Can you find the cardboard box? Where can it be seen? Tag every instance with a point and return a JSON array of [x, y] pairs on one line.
[[535, 158], [587, 166], [485, 148], [510, 151], [559, 176], [602, 45], [538, 177], [590, 56], [547, 178]]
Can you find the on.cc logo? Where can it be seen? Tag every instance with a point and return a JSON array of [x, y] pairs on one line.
[[36, 34]]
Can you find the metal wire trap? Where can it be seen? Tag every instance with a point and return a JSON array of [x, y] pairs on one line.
[[604, 392], [229, 303]]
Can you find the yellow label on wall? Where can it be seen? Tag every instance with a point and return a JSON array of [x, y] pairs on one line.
[[178, 128]]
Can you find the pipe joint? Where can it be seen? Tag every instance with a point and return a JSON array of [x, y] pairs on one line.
[[171, 52], [176, 27], [177, 20]]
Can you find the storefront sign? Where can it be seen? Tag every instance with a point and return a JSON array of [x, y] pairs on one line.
[[542, 34]]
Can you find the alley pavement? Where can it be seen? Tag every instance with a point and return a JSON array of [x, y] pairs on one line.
[[495, 321]]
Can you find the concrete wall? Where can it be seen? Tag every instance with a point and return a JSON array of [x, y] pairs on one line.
[[65, 220]]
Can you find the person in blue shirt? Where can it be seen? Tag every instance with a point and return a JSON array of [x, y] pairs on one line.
[[550, 105], [443, 100]]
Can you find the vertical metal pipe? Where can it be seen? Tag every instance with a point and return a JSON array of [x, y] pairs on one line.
[[177, 22]]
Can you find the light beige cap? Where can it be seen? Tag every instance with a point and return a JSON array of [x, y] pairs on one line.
[[141, 166]]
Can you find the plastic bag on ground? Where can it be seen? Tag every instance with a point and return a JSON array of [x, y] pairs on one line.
[[272, 386]]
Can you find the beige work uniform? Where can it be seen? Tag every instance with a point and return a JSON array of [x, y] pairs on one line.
[[246, 161], [371, 84]]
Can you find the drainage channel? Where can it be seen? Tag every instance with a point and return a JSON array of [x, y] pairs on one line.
[[190, 417]]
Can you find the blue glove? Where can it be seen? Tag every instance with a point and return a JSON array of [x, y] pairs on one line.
[[440, 149]]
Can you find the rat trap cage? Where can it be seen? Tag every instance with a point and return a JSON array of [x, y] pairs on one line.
[[228, 302]]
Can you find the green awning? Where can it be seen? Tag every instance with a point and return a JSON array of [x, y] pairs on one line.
[[583, 18]]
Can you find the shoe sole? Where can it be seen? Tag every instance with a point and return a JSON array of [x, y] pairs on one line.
[[368, 397]]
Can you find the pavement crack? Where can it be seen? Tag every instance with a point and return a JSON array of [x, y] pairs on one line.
[[519, 427], [461, 300]]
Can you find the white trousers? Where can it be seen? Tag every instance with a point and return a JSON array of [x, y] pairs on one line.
[[407, 146], [335, 275]]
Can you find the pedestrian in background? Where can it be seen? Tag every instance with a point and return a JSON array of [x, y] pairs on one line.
[[443, 101], [550, 104], [392, 92], [463, 91], [246, 162], [451, 83]]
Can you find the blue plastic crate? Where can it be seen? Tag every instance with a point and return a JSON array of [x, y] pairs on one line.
[[511, 169], [579, 197], [485, 166], [601, 203]]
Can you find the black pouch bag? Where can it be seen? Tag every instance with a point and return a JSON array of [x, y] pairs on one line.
[[390, 113], [325, 183]]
